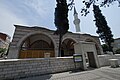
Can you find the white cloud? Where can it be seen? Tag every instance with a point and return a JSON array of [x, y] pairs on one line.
[[42, 7], [41, 13], [8, 19], [30, 12]]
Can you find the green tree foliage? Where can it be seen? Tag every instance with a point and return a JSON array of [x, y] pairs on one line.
[[105, 47], [88, 3], [103, 30], [101, 3], [61, 20], [117, 51], [2, 51], [61, 17]]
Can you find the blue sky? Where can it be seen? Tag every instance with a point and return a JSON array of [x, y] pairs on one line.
[[41, 13]]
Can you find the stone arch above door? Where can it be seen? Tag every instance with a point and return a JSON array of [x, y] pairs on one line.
[[97, 45], [64, 38], [33, 33]]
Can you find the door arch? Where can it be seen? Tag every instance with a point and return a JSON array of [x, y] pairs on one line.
[[91, 56], [96, 45]]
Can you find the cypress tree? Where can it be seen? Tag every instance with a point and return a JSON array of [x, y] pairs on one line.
[[61, 17], [101, 3], [61, 20], [103, 30]]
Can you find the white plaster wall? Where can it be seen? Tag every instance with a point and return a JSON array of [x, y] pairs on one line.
[[83, 48], [90, 47]]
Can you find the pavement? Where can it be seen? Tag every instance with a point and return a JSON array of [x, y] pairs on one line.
[[103, 73]]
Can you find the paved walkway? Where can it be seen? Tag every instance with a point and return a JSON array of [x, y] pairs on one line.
[[104, 73]]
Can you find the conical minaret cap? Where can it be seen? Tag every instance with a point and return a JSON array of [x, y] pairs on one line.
[[75, 12]]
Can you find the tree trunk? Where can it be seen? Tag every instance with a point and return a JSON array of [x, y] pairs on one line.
[[60, 40]]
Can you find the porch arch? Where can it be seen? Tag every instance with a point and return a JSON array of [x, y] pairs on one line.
[[67, 47], [34, 50]]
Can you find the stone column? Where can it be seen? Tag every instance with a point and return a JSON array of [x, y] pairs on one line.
[[13, 53], [56, 52], [79, 50]]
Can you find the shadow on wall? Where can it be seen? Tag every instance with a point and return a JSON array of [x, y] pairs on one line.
[[44, 77]]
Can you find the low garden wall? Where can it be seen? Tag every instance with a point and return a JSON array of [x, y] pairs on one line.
[[104, 59], [18, 68]]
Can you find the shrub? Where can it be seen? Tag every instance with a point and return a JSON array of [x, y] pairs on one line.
[[117, 51], [2, 51]]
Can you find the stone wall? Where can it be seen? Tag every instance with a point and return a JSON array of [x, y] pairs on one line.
[[18, 68], [104, 59]]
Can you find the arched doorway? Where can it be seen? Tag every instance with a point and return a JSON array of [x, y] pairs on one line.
[[35, 46], [91, 55], [67, 48]]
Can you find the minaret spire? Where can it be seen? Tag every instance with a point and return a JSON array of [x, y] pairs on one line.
[[75, 12], [76, 21]]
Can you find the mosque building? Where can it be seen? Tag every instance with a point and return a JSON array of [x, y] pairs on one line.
[[36, 42]]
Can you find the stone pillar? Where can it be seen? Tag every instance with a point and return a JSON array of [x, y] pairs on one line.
[[56, 52], [96, 56], [13, 53], [79, 50]]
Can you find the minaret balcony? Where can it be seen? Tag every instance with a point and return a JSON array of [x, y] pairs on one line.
[[77, 21]]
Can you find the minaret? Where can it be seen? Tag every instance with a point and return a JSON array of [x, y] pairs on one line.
[[76, 21]]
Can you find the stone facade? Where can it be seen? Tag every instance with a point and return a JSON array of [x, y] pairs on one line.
[[18, 68], [24, 32]]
